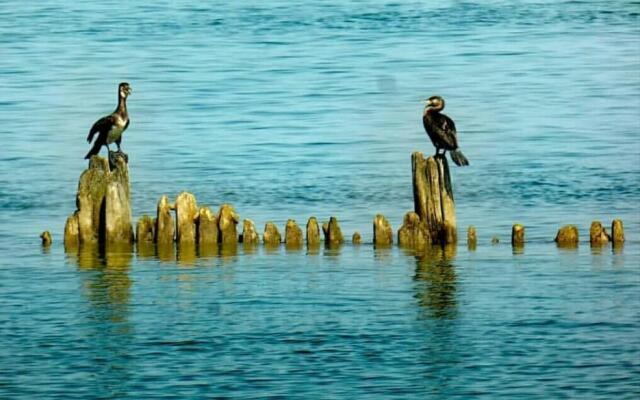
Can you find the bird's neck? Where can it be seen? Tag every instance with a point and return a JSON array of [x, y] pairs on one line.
[[432, 110], [122, 105]]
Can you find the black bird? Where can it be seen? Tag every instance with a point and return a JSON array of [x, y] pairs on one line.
[[442, 130], [110, 128]]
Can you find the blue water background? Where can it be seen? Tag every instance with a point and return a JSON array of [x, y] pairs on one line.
[[288, 110]]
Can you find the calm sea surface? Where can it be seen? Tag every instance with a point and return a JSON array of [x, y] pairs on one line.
[[291, 110]]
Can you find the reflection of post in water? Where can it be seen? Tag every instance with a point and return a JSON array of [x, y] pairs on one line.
[[435, 279], [166, 251], [228, 252], [145, 249], [106, 286], [186, 254], [105, 278]]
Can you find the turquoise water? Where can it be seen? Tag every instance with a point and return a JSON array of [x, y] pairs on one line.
[[292, 110]]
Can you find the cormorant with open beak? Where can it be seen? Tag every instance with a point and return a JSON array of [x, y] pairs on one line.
[[111, 127], [442, 130]]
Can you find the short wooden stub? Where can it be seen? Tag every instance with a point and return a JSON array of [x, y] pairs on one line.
[[186, 213], [332, 232], [249, 234], [313, 232], [617, 232], [413, 233], [433, 197], [207, 232], [46, 238], [598, 236], [382, 232], [165, 226], [271, 236], [472, 237], [293, 236], [145, 229], [567, 236], [517, 235], [356, 238]]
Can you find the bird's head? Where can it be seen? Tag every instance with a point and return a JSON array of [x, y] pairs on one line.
[[124, 90], [436, 102]]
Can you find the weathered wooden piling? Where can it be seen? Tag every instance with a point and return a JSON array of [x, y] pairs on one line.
[[382, 232], [332, 232], [103, 203], [207, 232], [71, 238], [356, 238], [118, 220], [495, 240], [186, 214], [617, 232], [165, 227], [598, 235], [293, 236], [313, 232], [271, 235], [413, 233], [567, 236], [46, 238], [145, 229], [227, 221], [433, 197], [250, 235], [517, 235], [472, 237]]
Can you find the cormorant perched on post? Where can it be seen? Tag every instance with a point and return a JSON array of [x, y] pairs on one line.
[[110, 128], [442, 130]]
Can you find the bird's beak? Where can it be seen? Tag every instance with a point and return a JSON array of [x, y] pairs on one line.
[[426, 102]]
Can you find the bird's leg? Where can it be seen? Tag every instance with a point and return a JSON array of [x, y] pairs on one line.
[[126, 157]]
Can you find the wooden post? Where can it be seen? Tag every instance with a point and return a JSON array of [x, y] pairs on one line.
[[186, 215], [356, 238], [472, 237], [165, 227], [567, 236], [271, 235], [293, 234], [382, 232], [207, 232], [433, 197], [227, 221], [598, 235], [332, 232], [517, 235], [617, 232], [413, 233], [103, 203], [250, 236], [313, 232]]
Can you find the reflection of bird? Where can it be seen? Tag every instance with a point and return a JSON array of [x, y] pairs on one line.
[[442, 130], [110, 128]]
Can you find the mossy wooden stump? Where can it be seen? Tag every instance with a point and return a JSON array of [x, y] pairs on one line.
[[433, 197], [103, 213]]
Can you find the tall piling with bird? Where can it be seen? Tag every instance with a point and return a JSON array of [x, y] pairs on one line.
[[433, 197], [103, 214]]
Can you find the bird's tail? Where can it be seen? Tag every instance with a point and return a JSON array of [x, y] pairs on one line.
[[459, 158], [94, 150]]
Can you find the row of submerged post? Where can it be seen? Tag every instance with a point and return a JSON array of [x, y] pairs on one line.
[[103, 217]]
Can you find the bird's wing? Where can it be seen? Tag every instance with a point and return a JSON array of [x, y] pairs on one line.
[[448, 131], [103, 124]]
